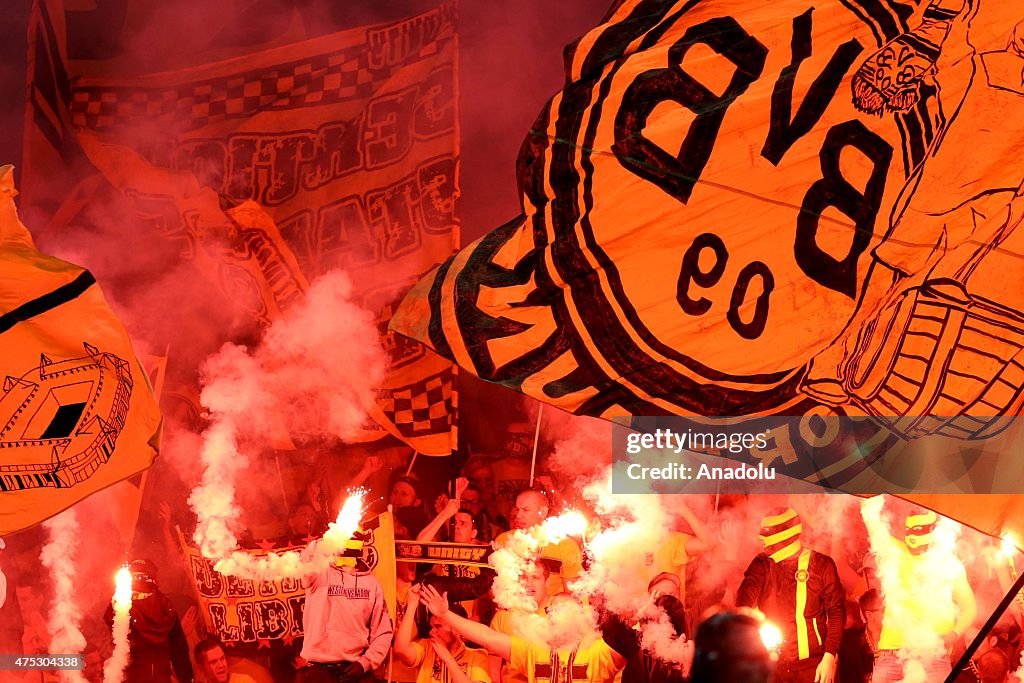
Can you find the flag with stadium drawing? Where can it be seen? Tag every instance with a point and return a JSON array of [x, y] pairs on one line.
[[77, 414], [763, 210], [271, 167]]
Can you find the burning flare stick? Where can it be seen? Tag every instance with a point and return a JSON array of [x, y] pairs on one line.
[[113, 670], [771, 636]]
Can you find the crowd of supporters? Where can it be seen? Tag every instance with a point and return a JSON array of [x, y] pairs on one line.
[[451, 628]]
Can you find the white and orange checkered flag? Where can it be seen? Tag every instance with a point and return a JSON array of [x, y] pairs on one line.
[[270, 167]]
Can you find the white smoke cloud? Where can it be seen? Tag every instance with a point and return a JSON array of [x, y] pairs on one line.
[[325, 349], [59, 556], [929, 592], [294, 564], [519, 553], [113, 668], [629, 523], [659, 636]]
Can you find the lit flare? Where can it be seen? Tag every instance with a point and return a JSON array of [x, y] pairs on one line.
[[771, 636], [347, 522], [569, 523], [123, 587], [113, 669], [1008, 547]]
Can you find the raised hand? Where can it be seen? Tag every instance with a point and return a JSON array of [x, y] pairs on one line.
[[437, 603], [415, 595], [372, 465], [441, 503]]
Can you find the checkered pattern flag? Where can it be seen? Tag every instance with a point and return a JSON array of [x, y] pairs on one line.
[[342, 76], [423, 408]]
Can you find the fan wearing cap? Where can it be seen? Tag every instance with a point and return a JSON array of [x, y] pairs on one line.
[[799, 590], [156, 640], [932, 597]]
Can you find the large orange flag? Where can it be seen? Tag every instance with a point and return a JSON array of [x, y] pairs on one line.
[[76, 413], [749, 209]]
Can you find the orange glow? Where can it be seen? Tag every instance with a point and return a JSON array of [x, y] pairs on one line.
[[1008, 546]]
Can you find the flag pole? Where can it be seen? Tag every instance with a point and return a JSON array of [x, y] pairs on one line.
[[536, 440], [997, 614], [412, 462], [280, 481]]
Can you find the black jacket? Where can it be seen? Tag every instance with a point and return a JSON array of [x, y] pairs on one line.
[[772, 587], [156, 641], [641, 665]]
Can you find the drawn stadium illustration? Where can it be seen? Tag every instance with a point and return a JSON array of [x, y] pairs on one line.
[[61, 420]]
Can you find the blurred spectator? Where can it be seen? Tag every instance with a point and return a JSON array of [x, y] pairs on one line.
[[994, 667], [855, 654], [472, 500], [728, 649], [305, 522], [405, 576], [481, 477], [407, 503]]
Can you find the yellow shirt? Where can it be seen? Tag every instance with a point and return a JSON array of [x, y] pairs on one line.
[[400, 673], [591, 664], [433, 670], [564, 558], [504, 621], [671, 557], [923, 599]]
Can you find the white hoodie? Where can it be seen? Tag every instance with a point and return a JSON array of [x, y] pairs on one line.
[[345, 619]]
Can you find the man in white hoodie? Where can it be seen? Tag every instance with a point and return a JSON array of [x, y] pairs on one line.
[[347, 626]]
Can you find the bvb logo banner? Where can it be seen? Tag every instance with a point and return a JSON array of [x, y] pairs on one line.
[[703, 207]]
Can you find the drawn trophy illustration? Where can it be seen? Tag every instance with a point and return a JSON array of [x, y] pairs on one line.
[[943, 354]]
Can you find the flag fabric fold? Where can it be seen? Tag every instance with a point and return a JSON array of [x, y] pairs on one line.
[[77, 413], [746, 210]]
